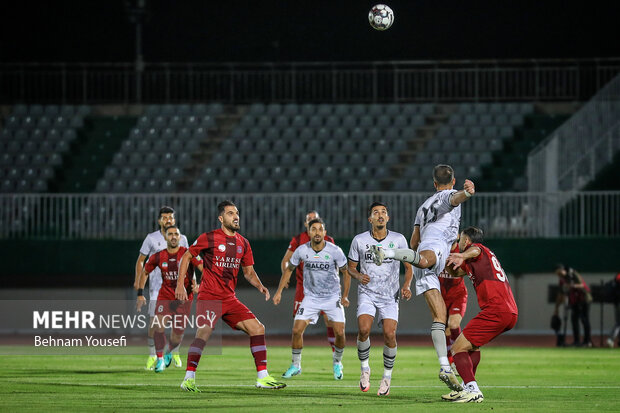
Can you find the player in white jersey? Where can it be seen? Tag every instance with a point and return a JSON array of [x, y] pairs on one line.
[[435, 229], [155, 242], [379, 294], [322, 261]]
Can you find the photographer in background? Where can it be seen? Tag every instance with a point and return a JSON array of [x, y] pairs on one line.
[[579, 299]]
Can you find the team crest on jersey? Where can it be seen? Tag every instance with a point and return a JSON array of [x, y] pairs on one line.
[[326, 256], [164, 265], [239, 249], [391, 244], [221, 247]]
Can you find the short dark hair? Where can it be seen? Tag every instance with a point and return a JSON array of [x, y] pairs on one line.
[[315, 221], [170, 226], [165, 210], [221, 207], [376, 204], [443, 174], [475, 234]]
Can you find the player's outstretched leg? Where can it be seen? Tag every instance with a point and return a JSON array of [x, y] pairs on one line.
[[193, 358]]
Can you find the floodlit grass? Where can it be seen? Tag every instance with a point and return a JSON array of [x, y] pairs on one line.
[[512, 379]]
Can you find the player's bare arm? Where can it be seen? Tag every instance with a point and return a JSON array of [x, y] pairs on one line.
[[140, 301], [405, 291], [415, 238], [354, 273], [138, 270], [284, 279], [285, 261], [346, 285], [461, 196], [456, 259], [180, 293], [250, 274]]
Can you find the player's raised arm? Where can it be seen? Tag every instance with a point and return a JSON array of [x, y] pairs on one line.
[[180, 292], [138, 270], [467, 192], [250, 274], [284, 279]]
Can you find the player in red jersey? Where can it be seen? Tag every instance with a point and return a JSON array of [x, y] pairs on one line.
[[223, 252], [296, 241], [168, 310], [454, 294], [498, 310]]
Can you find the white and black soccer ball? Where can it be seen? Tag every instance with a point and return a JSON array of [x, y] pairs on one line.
[[381, 17]]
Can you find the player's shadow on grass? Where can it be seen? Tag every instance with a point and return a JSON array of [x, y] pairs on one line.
[[64, 372]]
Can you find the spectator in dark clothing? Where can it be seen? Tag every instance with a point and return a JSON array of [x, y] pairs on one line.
[[611, 341], [579, 299]]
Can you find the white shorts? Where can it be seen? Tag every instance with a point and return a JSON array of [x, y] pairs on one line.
[[311, 308], [386, 308], [153, 293], [427, 279]]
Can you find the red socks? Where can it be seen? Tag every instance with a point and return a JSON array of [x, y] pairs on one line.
[[194, 353], [464, 366], [259, 351], [160, 343]]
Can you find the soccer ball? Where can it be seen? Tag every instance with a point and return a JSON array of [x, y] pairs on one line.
[[381, 17]]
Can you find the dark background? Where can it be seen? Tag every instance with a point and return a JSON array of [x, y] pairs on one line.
[[290, 30]]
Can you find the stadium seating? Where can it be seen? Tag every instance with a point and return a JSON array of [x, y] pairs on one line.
[[153, 157], [33, 142]]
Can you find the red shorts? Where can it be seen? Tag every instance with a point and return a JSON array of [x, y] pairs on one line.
[[487, 325], [230, 309], [456, 303], [174, 313]]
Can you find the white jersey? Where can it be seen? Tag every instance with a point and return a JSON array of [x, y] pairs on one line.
[[320, 269], [438, 218], [385, 279], [155, 242]]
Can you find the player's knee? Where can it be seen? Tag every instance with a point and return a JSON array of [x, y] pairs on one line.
[[362, 335], [339, 331], [389, 338], [258, 329]]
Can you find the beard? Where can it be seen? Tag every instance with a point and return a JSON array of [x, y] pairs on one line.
[[231, 226]]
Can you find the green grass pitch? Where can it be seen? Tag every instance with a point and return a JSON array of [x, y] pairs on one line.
[[512, 379]]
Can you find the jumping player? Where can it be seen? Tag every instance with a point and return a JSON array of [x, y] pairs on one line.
[[378, 293], [167, 307], [435, 229], [498, 310], [454, 294], [154, 242], [322, 260], [296, 241], [223, 252]]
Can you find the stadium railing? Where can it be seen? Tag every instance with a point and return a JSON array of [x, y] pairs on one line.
[[393, 81], [269, 216], [571, 155]]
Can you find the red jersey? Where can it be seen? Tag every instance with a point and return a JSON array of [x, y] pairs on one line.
[[452, 286], [575, 295], [490, 282], [169, 266], [222, 256], [298, 240]]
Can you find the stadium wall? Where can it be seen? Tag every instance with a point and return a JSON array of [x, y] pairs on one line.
[[110, 263]]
